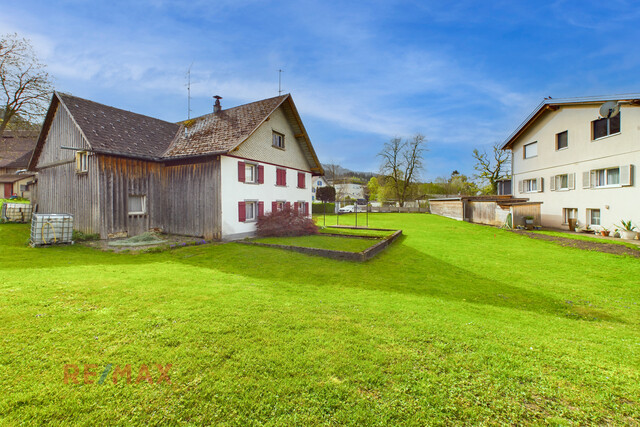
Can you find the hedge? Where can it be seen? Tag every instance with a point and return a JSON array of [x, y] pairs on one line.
[[318, 208]]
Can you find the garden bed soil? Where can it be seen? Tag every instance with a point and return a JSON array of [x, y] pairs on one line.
[[169, 241], [610, 248]]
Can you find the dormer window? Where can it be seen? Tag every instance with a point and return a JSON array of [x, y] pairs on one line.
[[82, 161], [278, 140]]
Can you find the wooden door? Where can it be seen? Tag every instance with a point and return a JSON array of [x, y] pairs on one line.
[[8, 189]]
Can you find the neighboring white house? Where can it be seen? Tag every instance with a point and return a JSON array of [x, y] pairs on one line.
[[349, 189], [577, 163], [317, 182]]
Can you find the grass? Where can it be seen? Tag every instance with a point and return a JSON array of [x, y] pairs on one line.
[[3, 201], [455, 323], [357, 232], [334, 243], [587, 238]]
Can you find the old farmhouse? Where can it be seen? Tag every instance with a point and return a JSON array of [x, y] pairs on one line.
[[121, 173]]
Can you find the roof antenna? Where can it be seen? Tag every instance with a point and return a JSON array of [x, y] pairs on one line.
[[279, 82], [189, 92]]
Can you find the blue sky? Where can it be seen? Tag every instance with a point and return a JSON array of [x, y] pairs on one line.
[[462, 73]]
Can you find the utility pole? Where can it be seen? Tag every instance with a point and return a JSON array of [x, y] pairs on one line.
[[189, 92], [279, 82]]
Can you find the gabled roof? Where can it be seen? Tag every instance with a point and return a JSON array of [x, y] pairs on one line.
[[110, 130], [551, 104], [16, 148]]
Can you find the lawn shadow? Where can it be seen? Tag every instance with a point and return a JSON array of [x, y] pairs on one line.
[[420, 274]]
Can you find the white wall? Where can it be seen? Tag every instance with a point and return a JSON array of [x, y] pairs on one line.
[[583, 154], [234, 191]]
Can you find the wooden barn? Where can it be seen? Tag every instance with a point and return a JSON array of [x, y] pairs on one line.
[[121, 173]]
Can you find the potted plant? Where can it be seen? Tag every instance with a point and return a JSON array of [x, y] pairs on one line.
[[604, 232], [588, 229], [528, 220], [626, 230]]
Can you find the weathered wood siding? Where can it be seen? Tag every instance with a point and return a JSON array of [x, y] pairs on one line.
[[180, 199], [60, 188], [449, 208], [528, 209], [485, 212]]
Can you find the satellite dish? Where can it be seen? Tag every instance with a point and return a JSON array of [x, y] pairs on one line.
[[610, 109]]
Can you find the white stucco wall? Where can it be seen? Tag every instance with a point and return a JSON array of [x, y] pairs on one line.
[[582, 154], [234, 191]]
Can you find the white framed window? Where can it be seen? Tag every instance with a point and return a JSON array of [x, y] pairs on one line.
[[137, 204], [606, 177], [562, 140], [533, 185], [563, 182], [530, 150], [82, 161], [278, 140], [605, 127], [251, 210], [569, 213], [593, 216], [250, 173], [280, 205], [302, 207]]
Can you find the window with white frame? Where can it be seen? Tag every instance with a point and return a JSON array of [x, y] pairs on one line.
[[531, 150], [569, 213], [606, 177], [137, 204], [82, 161], [251, 210], [594, 217], [562, 182], [605, 126], [278, 140], [250, 173], [530, 185], [302, 207], [562, 140]]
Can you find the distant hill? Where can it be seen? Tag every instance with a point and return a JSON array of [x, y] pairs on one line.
[[332, 172]]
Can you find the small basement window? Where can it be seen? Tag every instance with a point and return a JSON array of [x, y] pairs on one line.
[[82, 161], [137, 204], [569, 213], [594, 216], [531, 150], [278, 140], [605, 127]]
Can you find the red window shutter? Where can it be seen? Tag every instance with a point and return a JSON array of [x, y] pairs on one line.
[[260, 174], [306, 208], [278, 175], [295, 206], [274, 206], [284, 177], [301, 180], [260, 209], [287, 206], [241, 171], [242, 212]]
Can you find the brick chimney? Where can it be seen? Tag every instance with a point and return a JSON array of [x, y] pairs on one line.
[[217, 107]]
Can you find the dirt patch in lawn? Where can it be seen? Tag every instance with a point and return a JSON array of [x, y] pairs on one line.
[[610, 248]]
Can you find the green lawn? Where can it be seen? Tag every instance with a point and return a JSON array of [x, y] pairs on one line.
[[334, 243], [454, 323], [356, 232]]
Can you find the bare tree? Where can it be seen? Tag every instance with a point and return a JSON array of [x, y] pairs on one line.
[[492, 169], [25, 86], [402, 162]]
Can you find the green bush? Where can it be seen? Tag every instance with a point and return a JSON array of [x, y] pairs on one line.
[[318, 208], [79, 236]]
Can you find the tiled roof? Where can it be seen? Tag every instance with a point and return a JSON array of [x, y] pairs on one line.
[[16, 148], [11, 177], [222, 131], [117, 131]]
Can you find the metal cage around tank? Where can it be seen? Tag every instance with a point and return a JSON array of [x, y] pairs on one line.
[[47, 229]]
